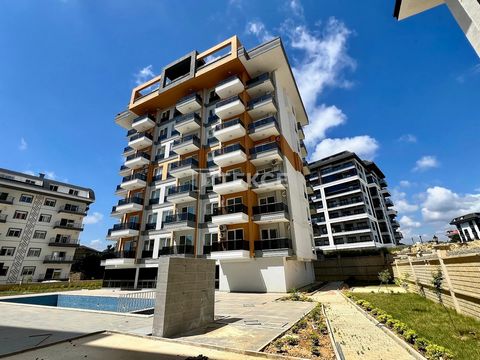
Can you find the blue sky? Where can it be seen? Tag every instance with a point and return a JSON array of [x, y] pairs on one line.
[[403, 93]]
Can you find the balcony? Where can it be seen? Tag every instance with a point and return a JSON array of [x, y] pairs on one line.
[[184, 168], [260, 85], [72, 209], [134, 182], [55, 259], [120, 192], [143, 123], [230, 184], [150, 226], [264, 154], [263, 128], [189, 103], [385, 192], [187, 123], [270, 181], [395, 224], [125, 118], [123, 230], [270, 213], [3, 218], [306, 168], [177, 250], [63, 242], [182, 194], [128, 151], [230, 155], [229, 87], [124, 170], [231, 249], [179, 222], [68, 225], [6, 199], [140, 141], [147, 254], [303, 149], [120, 258], [137, 161], [273, 247], [229, 130], [388, 202], [230, 214], [229, 107], [128, 205], [301, 133], [186, 144], [262, 106], [392, 212]]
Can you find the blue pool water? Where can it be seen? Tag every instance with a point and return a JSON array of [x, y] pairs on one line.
[[100, 303]]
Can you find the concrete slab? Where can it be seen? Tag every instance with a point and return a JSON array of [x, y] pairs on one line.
[[125, 347]]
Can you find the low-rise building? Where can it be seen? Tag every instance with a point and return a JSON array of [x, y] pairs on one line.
[[350, 204], [40, 224], [468, 226]]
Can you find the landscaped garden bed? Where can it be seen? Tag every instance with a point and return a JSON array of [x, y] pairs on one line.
[[34, 288], [434, 330], [307, 339]]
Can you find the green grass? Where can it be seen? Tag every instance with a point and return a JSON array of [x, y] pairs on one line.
[[431, 321], [36, 288]]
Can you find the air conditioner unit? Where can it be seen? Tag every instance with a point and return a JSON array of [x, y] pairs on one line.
[[284, 194], [274, 162], [223, 228]]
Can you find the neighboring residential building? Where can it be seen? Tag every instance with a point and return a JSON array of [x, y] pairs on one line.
[[350, 204], [465, 12], [214, 167], [40, 223], [468, 226]]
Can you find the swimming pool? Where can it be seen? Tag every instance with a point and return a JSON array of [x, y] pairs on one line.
[[88, 302]]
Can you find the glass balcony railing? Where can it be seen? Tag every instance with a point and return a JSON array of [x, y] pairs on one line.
[[140, 135], [228, 123], [263, 122], [137, 176], [230, 245], [144, 117], [258, 80], [138, 155], [179, 217], [177, 250], [187, 139], [228, 101], [270, 208], [124, 226], [229, 149], [229, 178], [181, 189], [227, 80], [230, 209], [261, 99], [264, 147], [130, 200], [273, 244], [191, 162], [188, 98]]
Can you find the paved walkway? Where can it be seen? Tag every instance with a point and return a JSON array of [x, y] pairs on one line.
[[125, 347], [358, 337]]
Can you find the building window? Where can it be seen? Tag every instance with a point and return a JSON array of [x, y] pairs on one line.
[[3, 270], [50, 202], [73, 208], [7, 251], [28, 270], [26, 198], [13, 232], [236, 234], [21, 215], [53, 188], [39, 234], [269, 234], [28, 181], [34, 252], [73, 192], [45, 218], [211, 239]]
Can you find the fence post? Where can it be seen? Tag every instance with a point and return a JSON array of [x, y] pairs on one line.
[[413, 272], [440, 254]]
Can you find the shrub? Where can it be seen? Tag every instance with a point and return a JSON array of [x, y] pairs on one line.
[[390, 322], [302, 324], [436, 352], [410, 336], [374, 311], [421, 343], [400, 327], [383, 318], [279, 343], [291, 340], [295, 329], [315, 351], [315, 339]]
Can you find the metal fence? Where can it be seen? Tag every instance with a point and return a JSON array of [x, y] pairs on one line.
[[135, 302]]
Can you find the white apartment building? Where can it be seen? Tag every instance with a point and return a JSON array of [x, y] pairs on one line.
[[465, 12], [468, 226], [40, 224], [214, 168], [350, 204]]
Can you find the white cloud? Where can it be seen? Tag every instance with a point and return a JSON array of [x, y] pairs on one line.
[[23, 145], [94, 218], [401, 203], [470, 73], [29, 172], [408, 222], [405, 183], [408, 138], [258, 29], [50, 175], [144, 74], [296, 7], [426, 162], [324, 117], [96, 244], [442, 204], [364, 146]]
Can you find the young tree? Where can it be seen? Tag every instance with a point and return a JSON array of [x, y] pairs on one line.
[[384, 276]]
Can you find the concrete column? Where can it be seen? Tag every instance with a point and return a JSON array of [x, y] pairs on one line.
[[137, 271], [467, 14]]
